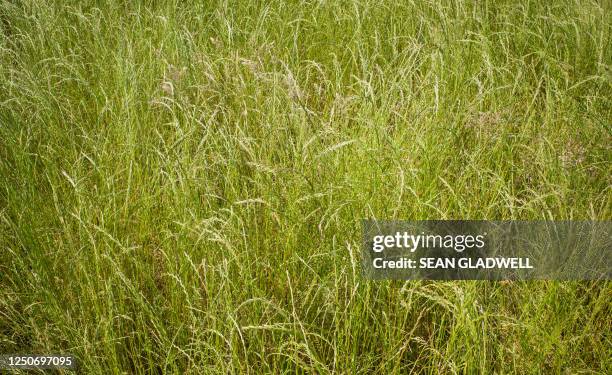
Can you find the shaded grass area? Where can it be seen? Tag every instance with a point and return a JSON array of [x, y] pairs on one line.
[[181, 186]]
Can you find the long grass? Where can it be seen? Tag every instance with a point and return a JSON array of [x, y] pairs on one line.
[[182, 184]]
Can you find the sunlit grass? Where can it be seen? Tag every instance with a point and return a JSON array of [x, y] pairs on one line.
[[182, 185]]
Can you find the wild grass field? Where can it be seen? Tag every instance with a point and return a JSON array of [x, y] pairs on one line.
[[182, 184]]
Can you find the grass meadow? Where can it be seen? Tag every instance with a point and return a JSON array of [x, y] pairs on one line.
[[182, 184]]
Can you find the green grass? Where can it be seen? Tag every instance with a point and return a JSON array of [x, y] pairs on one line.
[[182, 185]]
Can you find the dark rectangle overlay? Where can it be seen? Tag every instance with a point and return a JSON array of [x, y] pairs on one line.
[[487, 250]]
